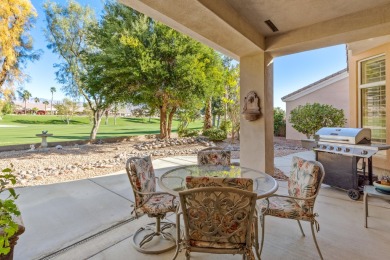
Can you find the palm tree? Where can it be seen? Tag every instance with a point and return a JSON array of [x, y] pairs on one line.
[[36, 100], [45, 103], [52, 90], [25, 95]]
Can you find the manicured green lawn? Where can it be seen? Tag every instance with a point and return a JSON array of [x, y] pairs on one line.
[[21, 129]]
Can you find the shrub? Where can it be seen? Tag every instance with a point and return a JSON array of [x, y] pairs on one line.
[[215, 134], [226, 126], [279, 122], [8, 210], [188, 132], [308, 119]]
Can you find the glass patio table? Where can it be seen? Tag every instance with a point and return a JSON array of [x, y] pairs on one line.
[[174, 180]]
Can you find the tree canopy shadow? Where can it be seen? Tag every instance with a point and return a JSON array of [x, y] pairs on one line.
[[49, 122], [142, 120]]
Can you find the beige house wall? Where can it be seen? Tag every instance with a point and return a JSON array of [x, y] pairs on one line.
[[381, 160], [335, 94]]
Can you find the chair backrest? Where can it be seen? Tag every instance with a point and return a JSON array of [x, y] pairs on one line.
[[200, 182], [217, 215], [142, 178], [305, 181], [214, 156]]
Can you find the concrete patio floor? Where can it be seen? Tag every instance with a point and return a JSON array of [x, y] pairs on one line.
[[91, 219]]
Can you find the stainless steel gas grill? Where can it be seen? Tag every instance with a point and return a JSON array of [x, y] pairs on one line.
[[340, 150]]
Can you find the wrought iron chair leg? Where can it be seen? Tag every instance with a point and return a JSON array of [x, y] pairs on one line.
[[262, 220], [178, 238], [315, 240], [300, 226], [257, 239]]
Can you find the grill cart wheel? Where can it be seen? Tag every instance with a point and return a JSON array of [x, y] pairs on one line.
[[353, 194]]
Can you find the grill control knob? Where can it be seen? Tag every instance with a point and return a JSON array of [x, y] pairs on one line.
[[331, 147], [324, 147], [338, 149], [364, 152], [347, 150]]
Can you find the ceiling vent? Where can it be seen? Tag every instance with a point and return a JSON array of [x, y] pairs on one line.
[[271, 25]]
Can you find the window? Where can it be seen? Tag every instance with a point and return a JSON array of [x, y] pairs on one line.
[[373, 97]]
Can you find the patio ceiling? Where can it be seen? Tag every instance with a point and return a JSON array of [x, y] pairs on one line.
[[237, 28]]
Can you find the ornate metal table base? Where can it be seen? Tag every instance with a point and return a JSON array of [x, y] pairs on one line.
[[155, 238]]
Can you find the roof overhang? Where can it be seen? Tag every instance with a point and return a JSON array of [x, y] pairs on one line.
[[236, 28]]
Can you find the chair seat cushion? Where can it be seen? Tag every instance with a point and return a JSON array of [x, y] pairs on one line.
[[159, 204], [284, 208], [207, 244]]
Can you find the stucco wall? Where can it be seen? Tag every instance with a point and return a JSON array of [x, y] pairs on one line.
[[335, 94]]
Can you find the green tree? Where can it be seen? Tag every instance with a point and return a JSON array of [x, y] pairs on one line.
[[231, 98], [148, 63], [36, 100], [45, 103], [279, 120], [25, 95], [6, 107], [67, 34], [16, 19], [66, 109], [308, 119], [52, 90]]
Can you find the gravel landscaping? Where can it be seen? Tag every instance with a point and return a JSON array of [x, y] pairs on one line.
[[59, 164]]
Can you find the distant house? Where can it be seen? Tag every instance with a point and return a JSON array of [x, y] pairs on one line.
[[332, 90], [30, 105]]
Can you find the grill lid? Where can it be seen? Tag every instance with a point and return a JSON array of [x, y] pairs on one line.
[[344, 135]]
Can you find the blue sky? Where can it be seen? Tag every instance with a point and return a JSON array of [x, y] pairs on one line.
[[291, 72]]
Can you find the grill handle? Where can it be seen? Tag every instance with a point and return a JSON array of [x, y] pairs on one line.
[[333, 139]]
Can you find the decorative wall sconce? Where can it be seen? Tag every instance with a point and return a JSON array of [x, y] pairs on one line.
[[251, 111]]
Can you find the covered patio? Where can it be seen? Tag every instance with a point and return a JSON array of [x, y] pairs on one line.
[[91, 219]]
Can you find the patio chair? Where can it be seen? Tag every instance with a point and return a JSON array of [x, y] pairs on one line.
[[303, 187], [203, 234], [147, 201], [216, 221], [214, 156]]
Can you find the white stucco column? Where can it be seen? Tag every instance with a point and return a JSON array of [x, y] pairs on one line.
[[256, 137]]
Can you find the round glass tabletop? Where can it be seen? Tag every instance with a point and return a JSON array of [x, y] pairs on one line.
[[174, 180]]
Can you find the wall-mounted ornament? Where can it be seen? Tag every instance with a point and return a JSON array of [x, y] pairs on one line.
[[251, 111]]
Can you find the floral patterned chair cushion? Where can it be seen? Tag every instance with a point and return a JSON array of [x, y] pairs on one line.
[[238, 183], [217, 218], [143, 178], [284, 208], [214, 157], [159, 204], [303, 181]]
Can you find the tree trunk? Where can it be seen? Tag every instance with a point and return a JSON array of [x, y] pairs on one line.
[[115, 119], [218, 120], [163, 121], [214, 117], [106, 120], [51, 105], [97, 118], [25, 107], [207, 116], [170, 119]]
